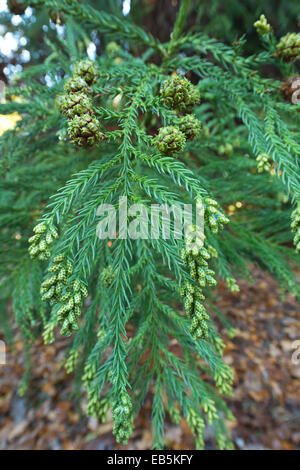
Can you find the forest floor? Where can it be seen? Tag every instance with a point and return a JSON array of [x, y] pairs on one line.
[[266, 399]]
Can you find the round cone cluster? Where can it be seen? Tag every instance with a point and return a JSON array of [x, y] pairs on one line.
[[288, 48], [290, 90], [170, 139], [84, 130], [213, 215], [76, 105], [41, 241], [190, 126], [179, 93], [295, 226], [15, 7]]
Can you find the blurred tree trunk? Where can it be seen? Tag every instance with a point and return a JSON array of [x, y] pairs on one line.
[[157, 16]]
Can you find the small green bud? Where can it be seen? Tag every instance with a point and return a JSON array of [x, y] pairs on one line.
[[77, 298], [40, 228], [48, 333], [53, 231], [49, 238], [62, 274], [71, 361], [262, 26], [263, 163], [58, 259], [112, 48], [50, 293], [65, 297], [35, 238], [76, 285], [49, 281], [84, 290], [33, 251], [42, 245]]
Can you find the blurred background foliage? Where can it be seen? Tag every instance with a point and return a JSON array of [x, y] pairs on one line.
[[22, 35]]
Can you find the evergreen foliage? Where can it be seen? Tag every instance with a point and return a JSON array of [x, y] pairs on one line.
[[189, 120]]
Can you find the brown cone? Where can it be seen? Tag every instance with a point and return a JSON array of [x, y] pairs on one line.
[[290, 90]]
